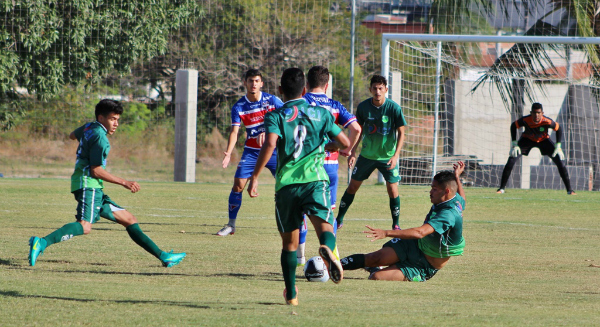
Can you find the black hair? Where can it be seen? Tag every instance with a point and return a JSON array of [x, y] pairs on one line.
[[378, 79], [318, 76], [251, 73], [536, 105], [107, 106], [292, 83], [446, 179]]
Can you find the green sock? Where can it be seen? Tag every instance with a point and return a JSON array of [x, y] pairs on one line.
[[328, 239], [141, 239], [288, 266], [345, 203], [64, 233], [395, 210]]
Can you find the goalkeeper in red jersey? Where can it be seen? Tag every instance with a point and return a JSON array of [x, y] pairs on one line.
[[536, 135]]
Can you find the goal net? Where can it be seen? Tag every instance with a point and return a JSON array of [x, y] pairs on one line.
[[460, 95]]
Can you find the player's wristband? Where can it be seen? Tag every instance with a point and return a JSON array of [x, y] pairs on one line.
[[515, 143], [558, 145]]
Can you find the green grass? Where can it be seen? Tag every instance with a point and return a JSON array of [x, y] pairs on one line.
[[527, 262]]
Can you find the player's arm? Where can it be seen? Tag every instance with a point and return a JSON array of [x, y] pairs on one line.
[[233, 136], [405, 234], [513, 131], [77, 133], [354, 132], [557, 147], [101, 173], [459, 167], [394, 160], [263, 158]]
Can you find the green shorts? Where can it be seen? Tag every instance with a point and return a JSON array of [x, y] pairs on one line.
[[411, 260], [92, 204], [293, 200], [364, 167]]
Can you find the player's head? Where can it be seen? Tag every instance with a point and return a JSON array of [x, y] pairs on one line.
[[443, 187], [292, 83], [318, 76], [108, 113], [378, 87], [537, 112], [253, 81]]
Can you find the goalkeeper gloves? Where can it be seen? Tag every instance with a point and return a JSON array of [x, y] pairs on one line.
[[559, 151], [515, 151]]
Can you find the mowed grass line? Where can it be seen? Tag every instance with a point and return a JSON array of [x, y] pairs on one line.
[[527, 262]]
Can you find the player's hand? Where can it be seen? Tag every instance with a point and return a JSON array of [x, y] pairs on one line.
[[260, 139], [226, 159], [346, 152], [132, 186], [351, 160], [392, 163], [459, 167], [559, 151], [515, 151], [374, 233], [253, 187]]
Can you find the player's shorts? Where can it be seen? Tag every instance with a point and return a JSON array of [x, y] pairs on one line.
[[332, 172], [411, 260], [546, 146], [364, 167], [92, 204], [246, 166], [293, 200]]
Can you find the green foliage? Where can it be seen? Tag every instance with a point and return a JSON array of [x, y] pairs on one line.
[[45, 45], [135, 118]]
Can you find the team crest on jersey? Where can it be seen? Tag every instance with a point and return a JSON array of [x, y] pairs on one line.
[[293, 112], [459, 207], [385, 119], [541, 129]]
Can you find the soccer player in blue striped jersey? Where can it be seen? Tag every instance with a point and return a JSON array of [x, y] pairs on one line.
[[249, 110], [317, 82], [87, 185]]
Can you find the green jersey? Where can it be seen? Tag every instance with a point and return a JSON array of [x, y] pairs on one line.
[[92, 151], [379, 125], [446, 219], [303, 132]]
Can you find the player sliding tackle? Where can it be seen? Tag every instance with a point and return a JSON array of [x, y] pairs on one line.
[[299, 132], [416, 254]]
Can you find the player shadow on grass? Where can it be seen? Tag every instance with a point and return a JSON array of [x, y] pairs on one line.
[[17, 294]]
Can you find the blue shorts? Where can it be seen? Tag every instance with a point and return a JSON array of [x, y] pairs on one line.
[[246, 166], [332, 172]]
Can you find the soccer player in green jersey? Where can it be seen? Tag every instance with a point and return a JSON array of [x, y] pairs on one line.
[[416, 254], [87, 184], [382, 133], [300, 132]]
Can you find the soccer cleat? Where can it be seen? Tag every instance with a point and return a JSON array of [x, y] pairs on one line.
[[396, 227], [336, 253], [301, 261], [293, 301], [226, 230], [500, 191], [571, 192], [170, 259], [340, 225], [36, 247], [334, 267]]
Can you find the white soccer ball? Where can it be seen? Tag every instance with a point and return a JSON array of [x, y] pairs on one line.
[[315, 270]]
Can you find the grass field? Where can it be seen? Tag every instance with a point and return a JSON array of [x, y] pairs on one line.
[[529, 260]]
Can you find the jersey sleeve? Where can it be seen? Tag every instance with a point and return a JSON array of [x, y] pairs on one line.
[[359, 116], [235, 115], [332, 129], [400, 120], [271, 123], [345, 118], [442, 221], [96, 146], [79, 132], [277, 102]]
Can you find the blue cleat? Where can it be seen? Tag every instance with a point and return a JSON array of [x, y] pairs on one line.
[[170, 259], [36, 247]]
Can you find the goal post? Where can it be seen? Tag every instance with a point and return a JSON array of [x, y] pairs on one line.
[[459, 105]]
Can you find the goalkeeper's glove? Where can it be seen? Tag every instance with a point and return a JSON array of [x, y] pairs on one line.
[[559, 151], [515, 151]]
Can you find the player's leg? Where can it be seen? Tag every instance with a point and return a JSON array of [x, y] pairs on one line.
[[385, 256], [362, 170], [391, 273], [301, 258], [392, 189], [288, 265], [332, 173], [510, 163], [114, 212], [86, 214], [547, 148], [243, 172]]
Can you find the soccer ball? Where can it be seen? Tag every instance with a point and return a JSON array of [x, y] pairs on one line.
[[315, 270]]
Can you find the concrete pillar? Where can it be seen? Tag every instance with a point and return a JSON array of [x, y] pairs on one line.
[[186, 106]]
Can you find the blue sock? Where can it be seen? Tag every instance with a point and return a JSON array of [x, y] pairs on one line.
[[235, 202], [303, 231]]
